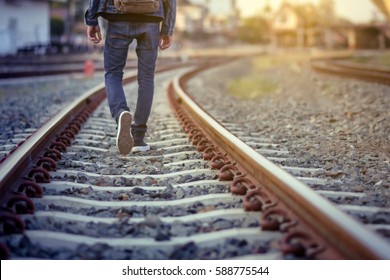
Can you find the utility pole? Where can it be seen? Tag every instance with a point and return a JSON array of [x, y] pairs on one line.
[[71, 18], [235, 12]]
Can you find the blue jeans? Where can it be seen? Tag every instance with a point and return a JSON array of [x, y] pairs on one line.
[[120, 35]]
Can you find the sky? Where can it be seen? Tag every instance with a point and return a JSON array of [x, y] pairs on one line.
[[358, 11]]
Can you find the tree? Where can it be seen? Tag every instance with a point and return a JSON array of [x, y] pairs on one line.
[[326, 12], [254, 30]]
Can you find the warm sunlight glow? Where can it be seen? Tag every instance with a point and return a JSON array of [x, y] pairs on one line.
[[358, 11]]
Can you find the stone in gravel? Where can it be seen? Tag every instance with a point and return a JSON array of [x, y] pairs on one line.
[[380, 218], [180, 193], [112, 254], [153, 181], [119, 182], [221, 224], [177, 212], [183, 179], [209, 254], [86, 252], [111, 171], [165, 195], [123, 214], [185, 252], [150, 254], [119, 164], [250, 222], [162, 235], [178, 229], [77, 165], [85, 190], [90, 169], [152, 221], [53, 207], [66, 163], [198, 191], [149, 231], [29, 250], [133, 182], [235, 247], [206, 227], [123, 197], [82, 178], [99, 181], [138, 191], [149, 181], [206, 209], [21, 242]]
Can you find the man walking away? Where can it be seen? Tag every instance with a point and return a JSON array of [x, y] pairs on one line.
[[152, 28]]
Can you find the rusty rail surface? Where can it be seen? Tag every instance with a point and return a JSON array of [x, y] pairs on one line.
[[369, 73], [323, 231]]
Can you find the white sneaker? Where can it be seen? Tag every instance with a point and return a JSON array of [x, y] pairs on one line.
[[124, 139], [140, 146]]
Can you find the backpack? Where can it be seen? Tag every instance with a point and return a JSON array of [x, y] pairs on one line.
[[137, 6]]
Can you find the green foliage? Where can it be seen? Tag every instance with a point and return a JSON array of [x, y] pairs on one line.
[[250, 87], [382, 60], [252, 84], [254, 30]]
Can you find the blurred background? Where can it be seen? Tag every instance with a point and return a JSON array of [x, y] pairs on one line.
[[39, 27]]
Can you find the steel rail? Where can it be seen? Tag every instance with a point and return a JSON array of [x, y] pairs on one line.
[[25, 156], [343, 233], [353, 70], [362, 66]]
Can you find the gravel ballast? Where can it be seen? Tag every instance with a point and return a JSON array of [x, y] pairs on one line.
[[27, 103], [339, 125]]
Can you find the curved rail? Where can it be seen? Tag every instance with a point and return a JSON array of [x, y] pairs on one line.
[[28, 152], [280, 192], [16, 224], [353, 70], [335, 227]]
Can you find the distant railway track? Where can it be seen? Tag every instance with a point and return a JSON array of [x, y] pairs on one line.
[[41, 66], [371, 73], [67, 194], [47, 69]]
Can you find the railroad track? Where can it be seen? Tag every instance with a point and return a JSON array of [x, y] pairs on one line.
[[41, 66], [68, 195], [371, 73], [33, 66]]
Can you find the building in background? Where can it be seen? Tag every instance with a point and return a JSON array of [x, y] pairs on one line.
[[21, 27], [196, 25], [42, 26], [57, 26], [308, 25], [287, 27], [190, 18]]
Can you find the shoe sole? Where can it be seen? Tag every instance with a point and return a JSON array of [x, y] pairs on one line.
[[141, 148], [124, 139]]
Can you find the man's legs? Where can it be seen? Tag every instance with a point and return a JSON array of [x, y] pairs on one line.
[[119, 37], [147, 49], [115, 56]]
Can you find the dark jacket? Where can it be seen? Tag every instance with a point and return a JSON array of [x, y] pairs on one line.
[[106, 9]]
